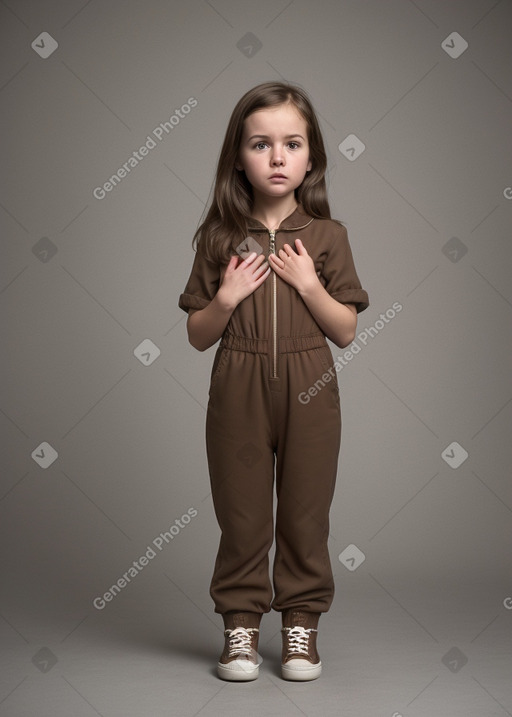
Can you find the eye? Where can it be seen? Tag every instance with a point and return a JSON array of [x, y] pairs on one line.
[[294, 145], [260, 145]]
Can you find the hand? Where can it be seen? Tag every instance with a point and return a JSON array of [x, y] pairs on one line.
[[241, 279], [298, 270]]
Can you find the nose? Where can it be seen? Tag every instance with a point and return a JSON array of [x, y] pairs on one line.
[[277, 158]]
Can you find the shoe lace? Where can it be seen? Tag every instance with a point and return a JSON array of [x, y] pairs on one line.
[[240, 641], [298, 639]]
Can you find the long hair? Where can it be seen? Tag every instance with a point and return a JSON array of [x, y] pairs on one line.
[[225, 224]]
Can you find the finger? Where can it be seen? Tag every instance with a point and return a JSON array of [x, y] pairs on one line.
[[232, 263], [257, 264], [300, 247], [260, 269], [249, 259], [276, 264], [262, 278]]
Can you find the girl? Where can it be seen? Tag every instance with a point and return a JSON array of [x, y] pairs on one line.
[[273, 276]]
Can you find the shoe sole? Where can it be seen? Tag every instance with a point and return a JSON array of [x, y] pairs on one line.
[[301, 674], [242, 674]]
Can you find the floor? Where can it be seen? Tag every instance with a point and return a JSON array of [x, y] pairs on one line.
[[388, 648]]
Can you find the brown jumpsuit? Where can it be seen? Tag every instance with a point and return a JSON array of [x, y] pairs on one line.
[[271, 353]]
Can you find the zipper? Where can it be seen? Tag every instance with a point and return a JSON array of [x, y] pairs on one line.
[[272, 250]]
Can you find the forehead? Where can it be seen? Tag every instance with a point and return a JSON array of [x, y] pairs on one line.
[[271, 121]]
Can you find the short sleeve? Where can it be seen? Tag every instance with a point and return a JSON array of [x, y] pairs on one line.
[[202, 285], [339, 273]]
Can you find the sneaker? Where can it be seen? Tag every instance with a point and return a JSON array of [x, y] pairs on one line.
[[300, 659], [239, 660]]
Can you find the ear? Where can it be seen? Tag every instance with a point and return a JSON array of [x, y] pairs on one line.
[[238, 166], [310, 166]]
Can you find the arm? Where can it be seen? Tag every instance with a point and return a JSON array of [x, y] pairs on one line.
[[337, 321], [207, 325]]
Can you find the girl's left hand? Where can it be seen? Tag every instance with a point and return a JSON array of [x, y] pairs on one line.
[[298, 270]]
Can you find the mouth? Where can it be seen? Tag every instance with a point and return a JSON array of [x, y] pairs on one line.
[[278, 176]]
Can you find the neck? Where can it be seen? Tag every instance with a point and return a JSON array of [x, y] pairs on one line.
[[271, 212]]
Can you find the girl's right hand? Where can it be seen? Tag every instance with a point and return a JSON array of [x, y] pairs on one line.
[[241, 279]]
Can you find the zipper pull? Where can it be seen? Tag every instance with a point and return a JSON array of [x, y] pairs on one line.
[[272, 235]]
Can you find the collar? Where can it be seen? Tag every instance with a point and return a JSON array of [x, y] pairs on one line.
[[298, 219]]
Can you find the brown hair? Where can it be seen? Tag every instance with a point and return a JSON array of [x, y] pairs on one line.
[[225, 224]]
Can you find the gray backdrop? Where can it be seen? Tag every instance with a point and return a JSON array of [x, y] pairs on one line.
[[103, 401]]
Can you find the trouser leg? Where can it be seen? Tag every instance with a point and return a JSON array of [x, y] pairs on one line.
[[241, 466], [307, 462]]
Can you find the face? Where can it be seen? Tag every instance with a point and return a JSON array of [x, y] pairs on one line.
[[274, 151]]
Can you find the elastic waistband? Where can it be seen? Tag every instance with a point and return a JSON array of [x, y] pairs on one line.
[[286, 344]]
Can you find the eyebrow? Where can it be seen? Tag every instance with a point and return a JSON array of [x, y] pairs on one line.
[[266, 136]]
